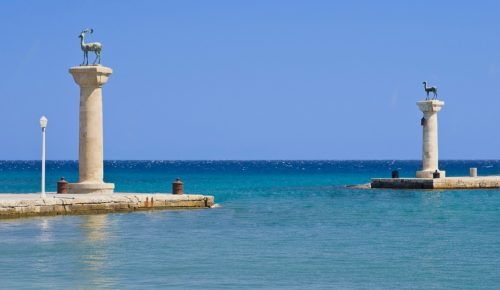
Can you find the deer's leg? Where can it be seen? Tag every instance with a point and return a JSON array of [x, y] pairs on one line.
[[85, 58], [97, 56]]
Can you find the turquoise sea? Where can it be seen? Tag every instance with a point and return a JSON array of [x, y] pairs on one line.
[[280, 224]]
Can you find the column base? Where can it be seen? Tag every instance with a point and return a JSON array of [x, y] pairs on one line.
[[84, 187], [429, 173]]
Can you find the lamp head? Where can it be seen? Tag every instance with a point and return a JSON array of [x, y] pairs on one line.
[[43, 122]]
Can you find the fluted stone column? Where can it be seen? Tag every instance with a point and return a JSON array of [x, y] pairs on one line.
[[90, 162], [430, 158]]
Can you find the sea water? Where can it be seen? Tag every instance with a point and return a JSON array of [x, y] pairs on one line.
[[280, 224]]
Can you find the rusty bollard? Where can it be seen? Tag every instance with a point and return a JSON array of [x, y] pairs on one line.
[[177, 186], [62, 186], [148, 203]]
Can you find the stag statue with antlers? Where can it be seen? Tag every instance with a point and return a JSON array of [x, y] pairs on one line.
[[429, 90], [86, 47]]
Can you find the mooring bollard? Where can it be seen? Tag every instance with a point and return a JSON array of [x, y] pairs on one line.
[[177, 186], [473, 172], [395, 174], [62, 186], [436, 174]]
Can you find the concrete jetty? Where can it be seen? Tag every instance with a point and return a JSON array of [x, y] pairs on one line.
[[23, 205], [462, 182]]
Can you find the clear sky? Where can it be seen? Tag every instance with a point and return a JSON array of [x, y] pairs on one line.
[[254, 79]]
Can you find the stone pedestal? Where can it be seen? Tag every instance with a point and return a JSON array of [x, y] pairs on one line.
[[90, 162], [430, 159]]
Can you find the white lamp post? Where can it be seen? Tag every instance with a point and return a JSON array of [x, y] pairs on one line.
[[43, 125]]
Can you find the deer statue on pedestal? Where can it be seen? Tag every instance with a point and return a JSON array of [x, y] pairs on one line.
[[86, 47], [429, 90]]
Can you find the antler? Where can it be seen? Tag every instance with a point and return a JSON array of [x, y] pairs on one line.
[[88, 30]]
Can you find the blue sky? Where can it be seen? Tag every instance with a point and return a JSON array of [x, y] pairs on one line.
[[254, 79]]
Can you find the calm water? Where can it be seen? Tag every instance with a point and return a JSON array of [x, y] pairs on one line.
[[281, 224]]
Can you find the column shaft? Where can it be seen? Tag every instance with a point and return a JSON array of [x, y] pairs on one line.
[[430, 142], [91, 144], [90, 163], [430, 157]]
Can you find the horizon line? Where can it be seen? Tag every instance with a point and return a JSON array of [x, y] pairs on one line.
[[199, 160]]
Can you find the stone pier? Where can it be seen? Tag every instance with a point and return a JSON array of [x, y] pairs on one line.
[[23, 205], [90, 161], [459, 182], [430, 157]]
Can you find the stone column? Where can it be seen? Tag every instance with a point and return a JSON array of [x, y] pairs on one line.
[[90, 162], [430, 158]]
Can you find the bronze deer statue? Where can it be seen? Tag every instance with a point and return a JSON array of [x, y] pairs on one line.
[[429, 90], [96, 47]]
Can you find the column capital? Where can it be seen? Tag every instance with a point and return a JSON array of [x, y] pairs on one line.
[[91, 76], [430, 106]]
